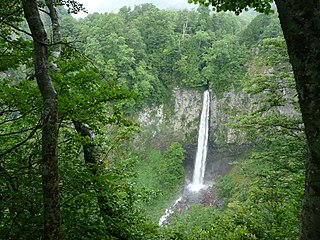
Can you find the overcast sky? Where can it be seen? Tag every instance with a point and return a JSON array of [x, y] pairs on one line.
[[114, 5]]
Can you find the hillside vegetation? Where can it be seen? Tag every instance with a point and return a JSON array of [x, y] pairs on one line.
[[117, 176]]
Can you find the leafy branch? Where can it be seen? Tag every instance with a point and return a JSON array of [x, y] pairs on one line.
[[32, 133]]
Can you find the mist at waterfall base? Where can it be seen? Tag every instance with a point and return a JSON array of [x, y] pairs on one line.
[[200, 162]]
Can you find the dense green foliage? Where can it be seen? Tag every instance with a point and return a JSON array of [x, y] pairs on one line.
[[262, 6], [262, 198], [81, 190], [161, 176], [150, 51], [262, 194], [124, 62]]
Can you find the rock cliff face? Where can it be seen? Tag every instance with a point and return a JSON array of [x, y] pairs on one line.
[[222, 111], [180, 117], [178, 120], [184, 113], [187, 110]]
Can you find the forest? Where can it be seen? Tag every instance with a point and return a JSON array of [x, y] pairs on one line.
[[99, 121]]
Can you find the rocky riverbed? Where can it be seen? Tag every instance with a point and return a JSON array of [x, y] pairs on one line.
[[206, 196]]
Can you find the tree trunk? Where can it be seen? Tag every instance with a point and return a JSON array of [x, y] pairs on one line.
[[50, 177], [90, 150], [56, 37], [300, 23], [93, 161]]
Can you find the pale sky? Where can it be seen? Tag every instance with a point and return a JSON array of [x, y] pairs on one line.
[[102, 6]]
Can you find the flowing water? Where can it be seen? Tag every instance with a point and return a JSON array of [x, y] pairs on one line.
[[169, 211], [200, 161], [201, 157]]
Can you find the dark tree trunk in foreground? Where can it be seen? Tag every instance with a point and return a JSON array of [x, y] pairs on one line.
[[50, 178], [300, 22]]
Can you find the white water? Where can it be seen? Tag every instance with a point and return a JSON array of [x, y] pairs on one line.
[[169, 211], [200, 162]]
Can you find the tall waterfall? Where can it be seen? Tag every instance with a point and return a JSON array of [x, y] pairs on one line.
[[200, 162]]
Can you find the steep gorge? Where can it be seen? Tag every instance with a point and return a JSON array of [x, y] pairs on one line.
[[178, 120]]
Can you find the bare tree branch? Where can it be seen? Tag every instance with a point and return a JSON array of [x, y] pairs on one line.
[[21, 143], [8, 110], [17, 132], [18, 29], [12, 119], [11, 43], [44, 11], [12, 13], [29, 34]]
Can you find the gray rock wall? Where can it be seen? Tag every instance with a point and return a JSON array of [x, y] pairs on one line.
[[182, 118]]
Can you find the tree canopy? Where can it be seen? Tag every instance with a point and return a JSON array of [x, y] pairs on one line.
[[73, 162], [298, 21]]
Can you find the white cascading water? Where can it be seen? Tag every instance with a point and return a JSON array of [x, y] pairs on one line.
[[200, 163], [169, 211]]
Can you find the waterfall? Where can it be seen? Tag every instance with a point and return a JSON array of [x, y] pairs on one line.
[[200, 162]]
